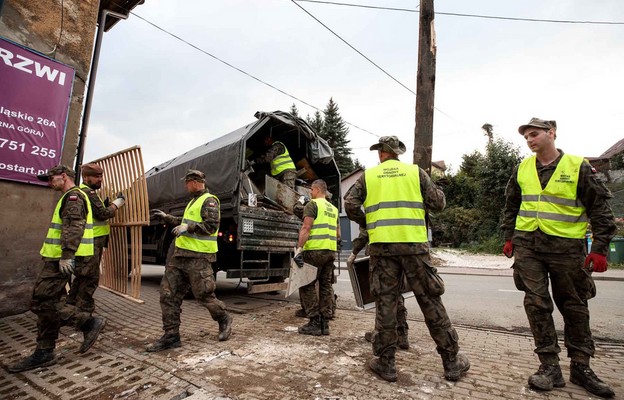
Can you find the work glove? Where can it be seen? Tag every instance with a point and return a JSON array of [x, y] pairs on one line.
[[180, 229], [158, 214], [67, 266], [120, 200], [106, 202], [596, 262], [351, 260], [299, 257], [508, 249], [339, 245]]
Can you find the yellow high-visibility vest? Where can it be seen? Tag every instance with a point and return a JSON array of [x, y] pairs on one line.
[[555, 210], [323, 234], [100, 228], [52, 244], [394, 204], [193, 242], [282, 162]]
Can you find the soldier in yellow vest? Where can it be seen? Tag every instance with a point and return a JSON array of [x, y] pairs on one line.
[[87, 278], [317, 245], [282, 166], [549, 200], [68, 245], [196, 235], [390, 201]]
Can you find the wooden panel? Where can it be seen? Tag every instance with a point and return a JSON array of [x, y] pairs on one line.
[[124, 172]]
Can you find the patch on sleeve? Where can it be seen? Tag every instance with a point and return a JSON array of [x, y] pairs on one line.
[[212, 204], [593, 169], [72, 197]]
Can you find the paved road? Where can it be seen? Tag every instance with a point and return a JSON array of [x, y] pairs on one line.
[[493, 302]]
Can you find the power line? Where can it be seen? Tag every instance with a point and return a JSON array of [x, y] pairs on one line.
[[242, 71], [365, 57], [557, 21]]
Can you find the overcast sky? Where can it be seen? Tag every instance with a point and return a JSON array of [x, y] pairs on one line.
[[158, 92]]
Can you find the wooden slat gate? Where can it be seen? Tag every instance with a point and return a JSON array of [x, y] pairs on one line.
[[124, 172]]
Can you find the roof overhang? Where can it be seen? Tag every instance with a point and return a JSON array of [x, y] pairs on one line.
[[118, 6]]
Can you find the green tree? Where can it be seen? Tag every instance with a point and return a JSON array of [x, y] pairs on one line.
[[476, 196], [335, 133], [293, 111], [316, 123]]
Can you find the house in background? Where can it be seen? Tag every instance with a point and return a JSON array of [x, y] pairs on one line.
[[610, 160]]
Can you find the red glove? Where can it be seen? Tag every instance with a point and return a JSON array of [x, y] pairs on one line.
[[598, 261], [508, 249]]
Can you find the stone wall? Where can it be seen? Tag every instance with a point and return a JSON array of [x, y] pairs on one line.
[[26, 209]]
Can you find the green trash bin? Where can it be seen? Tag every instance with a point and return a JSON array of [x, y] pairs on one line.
[[616, 250]]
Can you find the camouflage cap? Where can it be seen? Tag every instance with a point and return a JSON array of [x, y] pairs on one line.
[[538, 123], [194, 175], [91, 169], [59, 169], [390, 144]]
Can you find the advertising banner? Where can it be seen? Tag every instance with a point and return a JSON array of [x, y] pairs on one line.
[[35, 92]]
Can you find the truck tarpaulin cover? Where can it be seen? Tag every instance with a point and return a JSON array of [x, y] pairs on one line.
[[221, 161]]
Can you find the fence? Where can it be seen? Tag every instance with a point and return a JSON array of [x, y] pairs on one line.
[[124, 172]]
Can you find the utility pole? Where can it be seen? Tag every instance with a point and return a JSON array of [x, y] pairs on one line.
[[425, 87]]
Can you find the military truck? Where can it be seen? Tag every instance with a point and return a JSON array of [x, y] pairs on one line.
[[258, 230]]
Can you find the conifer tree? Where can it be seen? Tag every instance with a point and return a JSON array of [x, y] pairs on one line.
[[293, 111], [335, 133], [316, 123]]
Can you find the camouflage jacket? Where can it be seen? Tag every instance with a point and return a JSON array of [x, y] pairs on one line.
[[590, 191], [73, 213], [275, 150], [433, 198], [209, 225], [100, 211]]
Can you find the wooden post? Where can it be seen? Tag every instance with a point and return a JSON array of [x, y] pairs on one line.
[[425, 87]]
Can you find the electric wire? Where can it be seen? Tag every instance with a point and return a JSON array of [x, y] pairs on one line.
[[58, 42], [556, 21], [366, 58], [242, 71]]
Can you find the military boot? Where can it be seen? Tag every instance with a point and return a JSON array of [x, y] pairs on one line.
[[402, 340], [368, 336], [324, 325], [582, 375], [455, 365], [547, 377], [225, 327], [313, 327], [90, 332], [301, 313], [39, 358], [384, 366], [167, 341]]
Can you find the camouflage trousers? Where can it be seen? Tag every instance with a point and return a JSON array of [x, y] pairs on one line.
[[287, 177], [51, 311], [87, 279], [180, 273], [572, 286], [319, 304], [386, 278]]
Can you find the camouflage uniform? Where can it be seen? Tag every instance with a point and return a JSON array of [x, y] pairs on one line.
[[87, 278], [320, 304], [288, 176], [46, 302], [190, 268], [388, 261], [360, 243], [539, 256]]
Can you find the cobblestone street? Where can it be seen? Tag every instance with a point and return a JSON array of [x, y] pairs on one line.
[[267, 359]]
